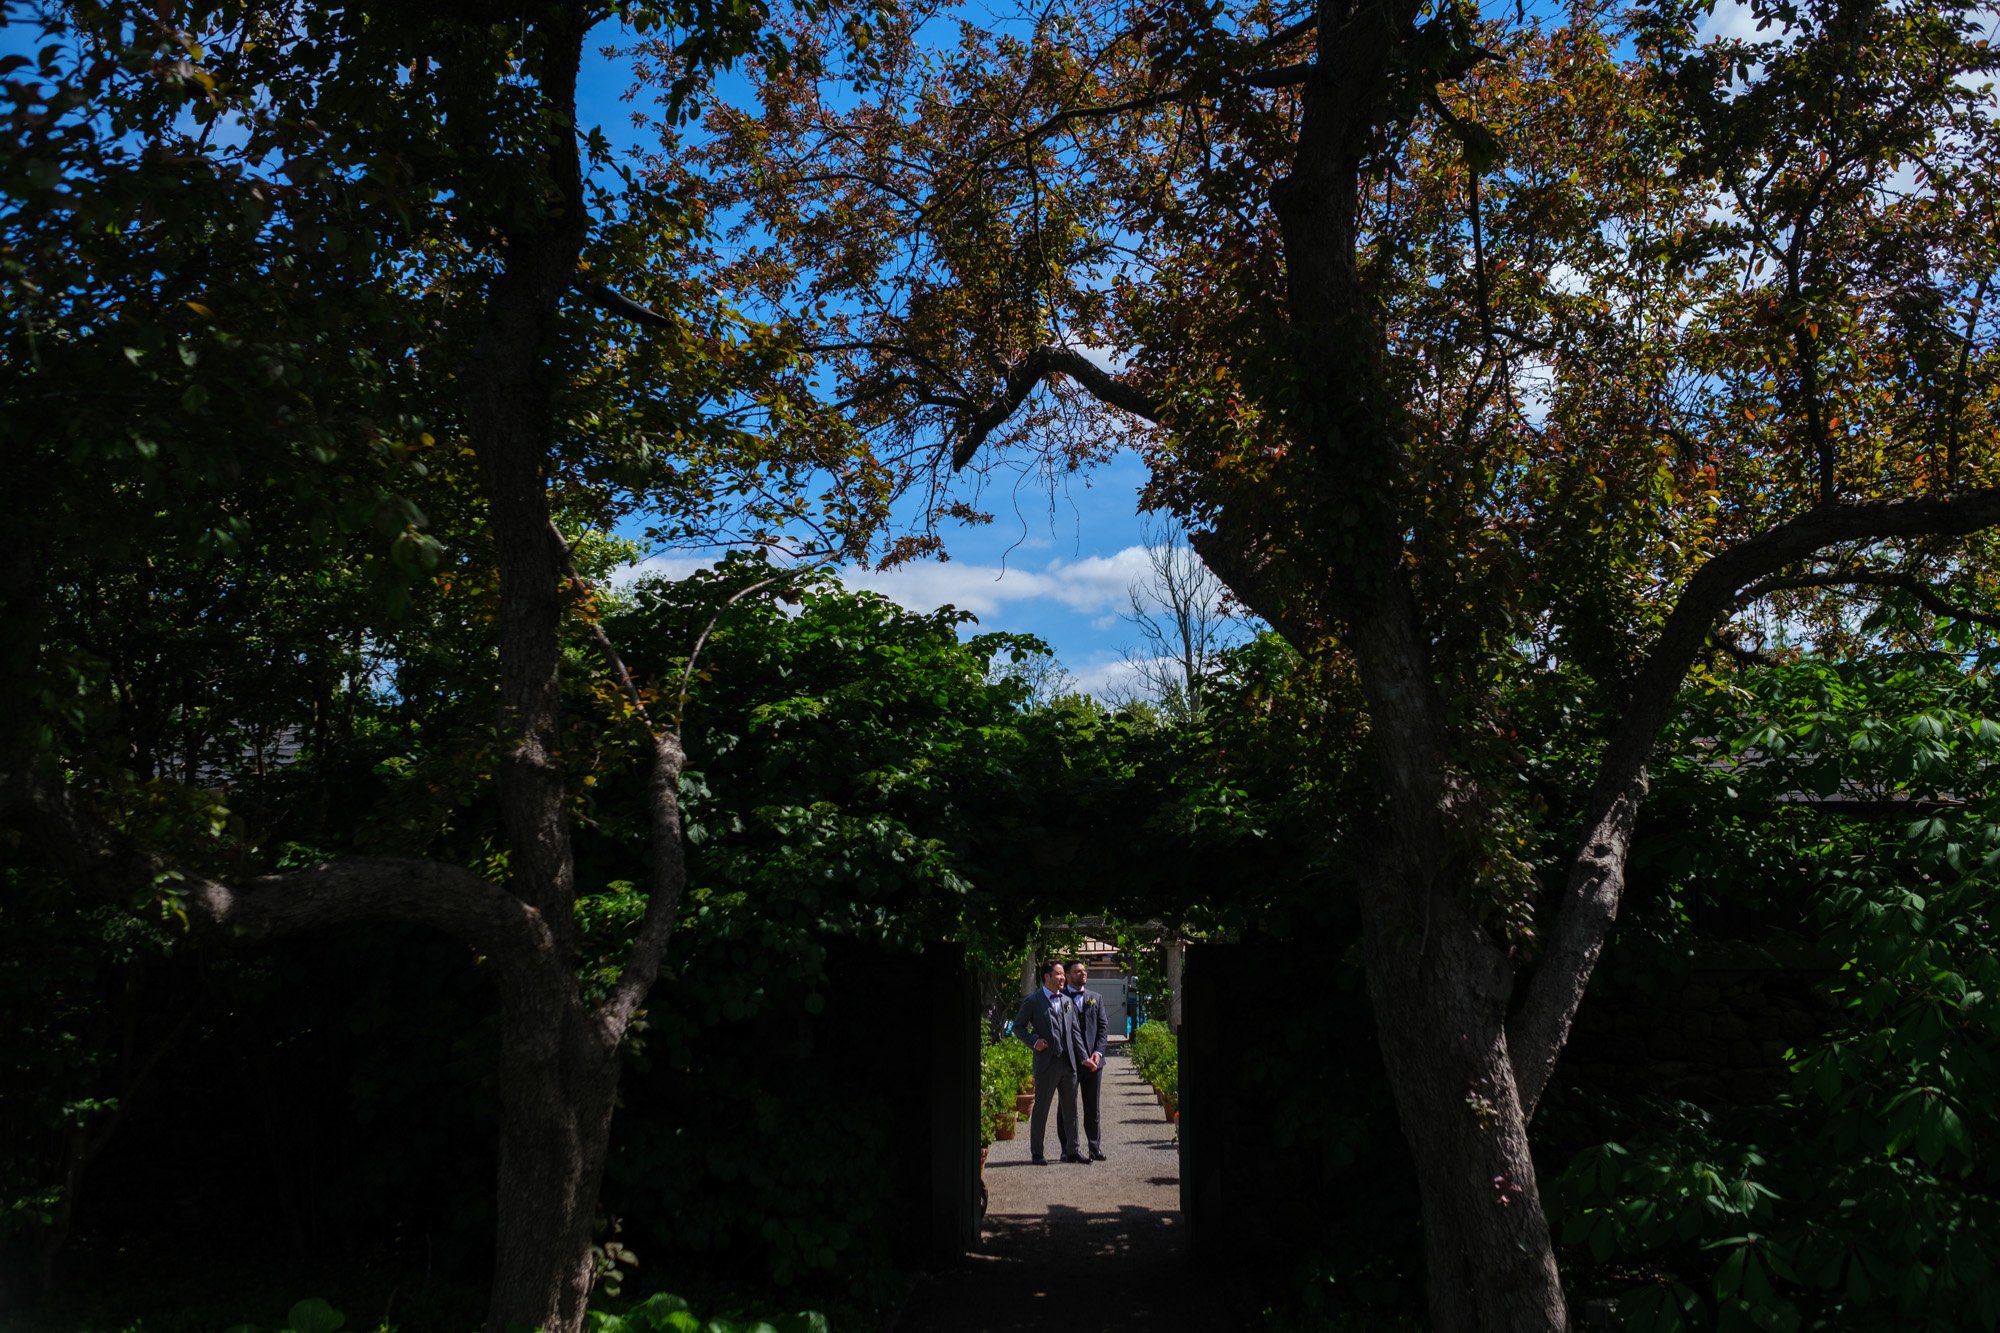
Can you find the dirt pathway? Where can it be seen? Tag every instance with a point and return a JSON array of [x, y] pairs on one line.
[[1084, 1249]]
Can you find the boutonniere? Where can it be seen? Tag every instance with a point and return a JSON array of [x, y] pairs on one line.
[[1090, 1003]]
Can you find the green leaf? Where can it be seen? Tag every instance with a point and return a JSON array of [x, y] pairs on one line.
[[1729, 1278], [1954, 1133], [805, 1321], [314, 1315], [1858, 1285], [1756, 1285], [1930, 1135]]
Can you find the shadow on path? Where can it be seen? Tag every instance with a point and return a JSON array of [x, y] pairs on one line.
[[1085, 1249]]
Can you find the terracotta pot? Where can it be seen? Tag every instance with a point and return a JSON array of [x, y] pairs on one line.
[[1003, 1127], [982, 1156], [1024, 1103], [1171, 1107]]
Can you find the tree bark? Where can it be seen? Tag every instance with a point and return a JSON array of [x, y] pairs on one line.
[[1439, 985], [1440, 981], [558, 1081]]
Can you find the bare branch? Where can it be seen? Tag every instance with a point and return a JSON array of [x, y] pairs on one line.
[[701, 640], [1183, 614]]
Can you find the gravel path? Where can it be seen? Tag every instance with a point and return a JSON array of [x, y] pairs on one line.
[[1083, 1249]]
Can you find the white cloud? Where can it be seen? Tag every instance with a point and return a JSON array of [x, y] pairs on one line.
[[1730, 21], [673, 567], [1104, 358], [1095, 585], [1117, 677], [1567, 280]]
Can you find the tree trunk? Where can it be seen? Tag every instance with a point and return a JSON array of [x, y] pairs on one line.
[[1439, 985], [558, 1082], [558, 1062]]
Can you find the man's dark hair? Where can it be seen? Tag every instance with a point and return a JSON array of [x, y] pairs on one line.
[[1051, 965]]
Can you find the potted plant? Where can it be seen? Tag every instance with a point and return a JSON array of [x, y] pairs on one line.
[[1003, 1066]]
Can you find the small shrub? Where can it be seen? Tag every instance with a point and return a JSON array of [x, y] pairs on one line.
[[1156, 1055]]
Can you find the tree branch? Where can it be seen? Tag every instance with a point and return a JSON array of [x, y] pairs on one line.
[[891, 349], [1737, 653], [613, 661], [1857, 807], [363, 888], [1291, 32], [643, 956], [1921, 589], [445, 897], [1287, 76], [1026, 374], [1536, 1034], [648, 948], [605, 299]]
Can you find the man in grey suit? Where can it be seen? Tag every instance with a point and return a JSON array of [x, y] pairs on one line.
[[1091, 1022], [1047, 1022]]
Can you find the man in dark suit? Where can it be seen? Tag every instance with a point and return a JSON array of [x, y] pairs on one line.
[[1091, 1023], [1047, 1022]]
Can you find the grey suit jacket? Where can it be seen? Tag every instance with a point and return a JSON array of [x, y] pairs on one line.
[[1041, 1021], [1092, 1024]]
